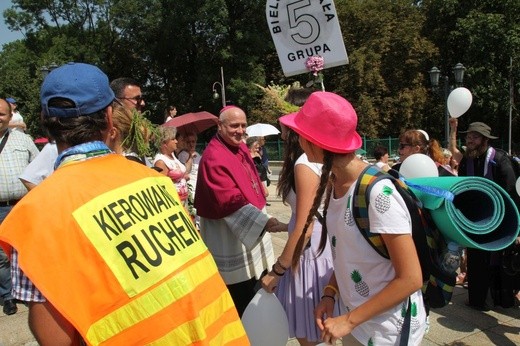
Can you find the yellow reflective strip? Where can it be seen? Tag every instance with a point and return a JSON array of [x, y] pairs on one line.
[[152, 302], [230, 332], [195, 330]]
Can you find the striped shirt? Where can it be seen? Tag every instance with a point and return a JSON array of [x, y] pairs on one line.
[[23, 288]]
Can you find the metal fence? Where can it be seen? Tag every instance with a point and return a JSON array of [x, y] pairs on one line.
[[275, 148]]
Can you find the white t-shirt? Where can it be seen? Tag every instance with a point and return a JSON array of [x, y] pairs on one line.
[[380, 164], [42, 166], [361, 272], [17, 119], [316, 168]]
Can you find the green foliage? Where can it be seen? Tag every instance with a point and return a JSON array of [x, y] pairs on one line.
[[17, 81], [175, 50], [139, 136], [385, 79], [271, 105], [484, 36]]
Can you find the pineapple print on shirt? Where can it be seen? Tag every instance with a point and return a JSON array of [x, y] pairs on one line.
[[414, 322], [360, 286], [383, 200], [349, 218]]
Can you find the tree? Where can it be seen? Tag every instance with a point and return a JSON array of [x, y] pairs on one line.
[[17, 71], [388, 59], [175, 50], [484, 36], [56, 32]]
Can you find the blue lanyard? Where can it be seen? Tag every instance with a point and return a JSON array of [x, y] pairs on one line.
[[82, 152]]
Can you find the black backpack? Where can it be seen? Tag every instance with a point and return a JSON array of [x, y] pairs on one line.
[[514, 163], [510, 260], [429, 242]]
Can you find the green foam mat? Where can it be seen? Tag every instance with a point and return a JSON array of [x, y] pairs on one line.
[[480, 215]]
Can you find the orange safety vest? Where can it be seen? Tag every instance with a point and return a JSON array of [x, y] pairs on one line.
[[109, 244]]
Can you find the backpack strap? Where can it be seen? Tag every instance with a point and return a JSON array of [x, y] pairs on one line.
[[490, 163], [419, 221], [366, 181], [405, 331], [4, 140]]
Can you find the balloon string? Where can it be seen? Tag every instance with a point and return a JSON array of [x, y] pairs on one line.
[[430, 190]]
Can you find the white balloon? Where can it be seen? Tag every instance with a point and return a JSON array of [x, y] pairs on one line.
[[517, 185], [265, 321], [418, 166], [459, 101]]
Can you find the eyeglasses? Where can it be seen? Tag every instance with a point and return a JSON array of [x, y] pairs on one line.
[[116, 101], [404, 145], [138, 99]]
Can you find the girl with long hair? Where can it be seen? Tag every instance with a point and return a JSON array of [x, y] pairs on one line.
[[380, 294]]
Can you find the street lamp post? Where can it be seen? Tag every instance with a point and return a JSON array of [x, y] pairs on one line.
[[45, 70], [435, 75], [222, 88]]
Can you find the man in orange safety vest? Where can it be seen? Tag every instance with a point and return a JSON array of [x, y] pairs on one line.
[[107, 241]]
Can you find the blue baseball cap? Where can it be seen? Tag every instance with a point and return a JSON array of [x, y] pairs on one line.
[[83, 84], [10, 100]]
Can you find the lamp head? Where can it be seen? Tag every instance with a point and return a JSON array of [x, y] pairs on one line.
[[435, 73], [215, 94], [458, 71], [45, 71]]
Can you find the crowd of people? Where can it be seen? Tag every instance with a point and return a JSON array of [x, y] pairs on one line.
[[171, 250]]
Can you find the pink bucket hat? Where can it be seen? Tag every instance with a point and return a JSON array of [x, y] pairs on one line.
[[327, 120]]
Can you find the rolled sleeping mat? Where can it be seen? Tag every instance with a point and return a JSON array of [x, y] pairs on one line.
[[474, 212]]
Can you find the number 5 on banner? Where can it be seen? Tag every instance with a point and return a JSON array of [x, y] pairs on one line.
[[299, 22], [301, 29]]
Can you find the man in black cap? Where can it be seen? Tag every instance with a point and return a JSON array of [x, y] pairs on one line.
[[482, 160]]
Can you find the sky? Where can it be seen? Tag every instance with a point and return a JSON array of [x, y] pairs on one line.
[[6, 35]]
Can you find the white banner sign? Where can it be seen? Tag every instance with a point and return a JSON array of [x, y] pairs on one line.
[[305, 28]]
